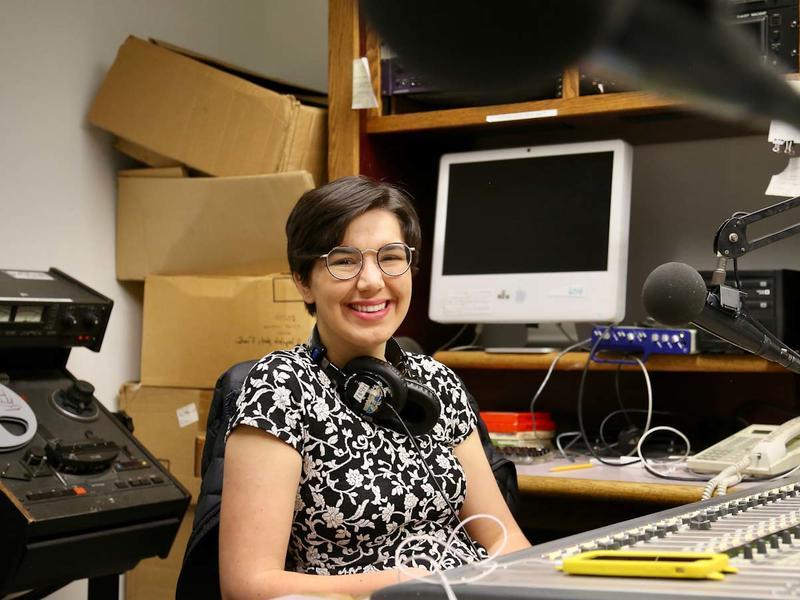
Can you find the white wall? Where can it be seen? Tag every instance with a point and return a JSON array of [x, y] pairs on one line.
[[57, 183]]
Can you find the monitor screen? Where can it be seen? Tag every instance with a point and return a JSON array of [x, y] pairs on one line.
[[532, 235]]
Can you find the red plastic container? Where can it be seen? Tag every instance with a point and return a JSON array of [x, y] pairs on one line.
[[515, 422]]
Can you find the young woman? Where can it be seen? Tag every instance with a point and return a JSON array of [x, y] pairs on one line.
[[317, 498]]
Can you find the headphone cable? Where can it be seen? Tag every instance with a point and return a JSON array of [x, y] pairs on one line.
[[453, 512]]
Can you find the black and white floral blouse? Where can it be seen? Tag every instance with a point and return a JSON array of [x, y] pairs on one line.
[[363, 489]]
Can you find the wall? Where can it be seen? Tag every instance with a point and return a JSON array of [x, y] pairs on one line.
[[57, 188], [682, 192]]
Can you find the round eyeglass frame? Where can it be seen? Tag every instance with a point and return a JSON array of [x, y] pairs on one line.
[[410, 250]]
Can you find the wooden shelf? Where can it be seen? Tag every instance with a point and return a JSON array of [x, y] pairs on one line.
[[582, 106], [575, 361]]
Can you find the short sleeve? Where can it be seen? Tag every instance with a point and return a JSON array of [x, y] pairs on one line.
[[465, 421], [271, 400]]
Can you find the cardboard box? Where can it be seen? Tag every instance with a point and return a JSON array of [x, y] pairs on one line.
[[167, 421], [201, 116], [307, 149], [155, 578], [207, 225], [154, 172], [143, 155], [197, 327]]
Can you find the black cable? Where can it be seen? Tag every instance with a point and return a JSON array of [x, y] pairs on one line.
[[610, 415], [581, 387], [453, 339], [736, 274], [453, 512]]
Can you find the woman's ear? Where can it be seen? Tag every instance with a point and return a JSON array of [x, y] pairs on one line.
[[305, 291]]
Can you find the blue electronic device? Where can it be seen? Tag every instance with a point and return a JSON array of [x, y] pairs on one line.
[[642, 341]]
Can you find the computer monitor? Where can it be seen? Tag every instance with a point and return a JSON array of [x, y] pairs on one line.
[[532, 235]]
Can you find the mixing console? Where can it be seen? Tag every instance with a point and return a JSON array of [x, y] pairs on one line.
[[758, 528]]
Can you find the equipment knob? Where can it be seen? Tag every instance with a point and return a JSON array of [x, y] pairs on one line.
[[91, 320], [69, 321], [79, 395]]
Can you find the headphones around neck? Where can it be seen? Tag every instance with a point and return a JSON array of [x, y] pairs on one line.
[[372, 388]]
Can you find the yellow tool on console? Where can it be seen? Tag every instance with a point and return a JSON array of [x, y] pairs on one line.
[[631, 563]]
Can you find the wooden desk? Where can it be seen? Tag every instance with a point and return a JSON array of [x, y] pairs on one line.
[[589, 489], [557, 504]]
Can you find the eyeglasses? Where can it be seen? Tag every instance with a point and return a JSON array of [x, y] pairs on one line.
[[346, 262]]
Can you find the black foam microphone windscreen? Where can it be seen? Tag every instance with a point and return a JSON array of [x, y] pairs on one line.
[[674, 294]]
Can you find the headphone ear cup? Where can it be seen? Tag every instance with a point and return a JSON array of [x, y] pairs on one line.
[[422, 409], [370, 383]]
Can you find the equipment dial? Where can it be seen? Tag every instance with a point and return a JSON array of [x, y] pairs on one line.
[[69, 320], [90, 319], [76, 401]]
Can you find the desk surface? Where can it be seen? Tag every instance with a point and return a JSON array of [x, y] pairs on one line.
[[602, 482]]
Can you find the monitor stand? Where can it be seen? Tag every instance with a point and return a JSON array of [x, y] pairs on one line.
[[533, 338]]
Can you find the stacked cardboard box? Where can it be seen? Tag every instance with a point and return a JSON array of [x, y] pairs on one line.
[[169, 108], [211, 249]]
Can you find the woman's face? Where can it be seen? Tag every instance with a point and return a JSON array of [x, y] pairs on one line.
[[356, 316]]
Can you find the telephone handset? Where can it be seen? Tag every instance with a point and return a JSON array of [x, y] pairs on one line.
[[773, 449]]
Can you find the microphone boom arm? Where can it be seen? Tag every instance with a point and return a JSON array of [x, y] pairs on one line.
[[731, 238]]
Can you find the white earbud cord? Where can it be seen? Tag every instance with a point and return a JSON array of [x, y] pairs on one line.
[[403, 562], [488, 564]]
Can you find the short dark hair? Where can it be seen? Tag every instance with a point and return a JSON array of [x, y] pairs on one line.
[[320, 218]]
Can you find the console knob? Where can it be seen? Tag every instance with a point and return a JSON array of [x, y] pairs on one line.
[[69, 321], [79, 396], [91, 320]]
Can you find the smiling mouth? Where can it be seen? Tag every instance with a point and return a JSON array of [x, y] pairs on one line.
[[369, 308]]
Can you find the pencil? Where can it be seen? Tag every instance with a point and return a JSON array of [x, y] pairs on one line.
[[570, 467]]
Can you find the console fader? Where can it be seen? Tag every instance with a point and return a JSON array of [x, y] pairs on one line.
[[758, 528], [79, 495]]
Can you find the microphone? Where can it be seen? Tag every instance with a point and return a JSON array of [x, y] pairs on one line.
[[502, 50], [675, 294]]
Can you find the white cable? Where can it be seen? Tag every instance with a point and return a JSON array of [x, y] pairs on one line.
[[649, 410], [646, 431], [648, 466], [563, 451], [488, 564], [649, 400], [550, 370]]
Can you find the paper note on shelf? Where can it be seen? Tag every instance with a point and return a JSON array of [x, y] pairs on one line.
[[787, 182], [363, 94]]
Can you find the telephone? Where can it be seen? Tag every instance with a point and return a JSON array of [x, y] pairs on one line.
[[773, 449]]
